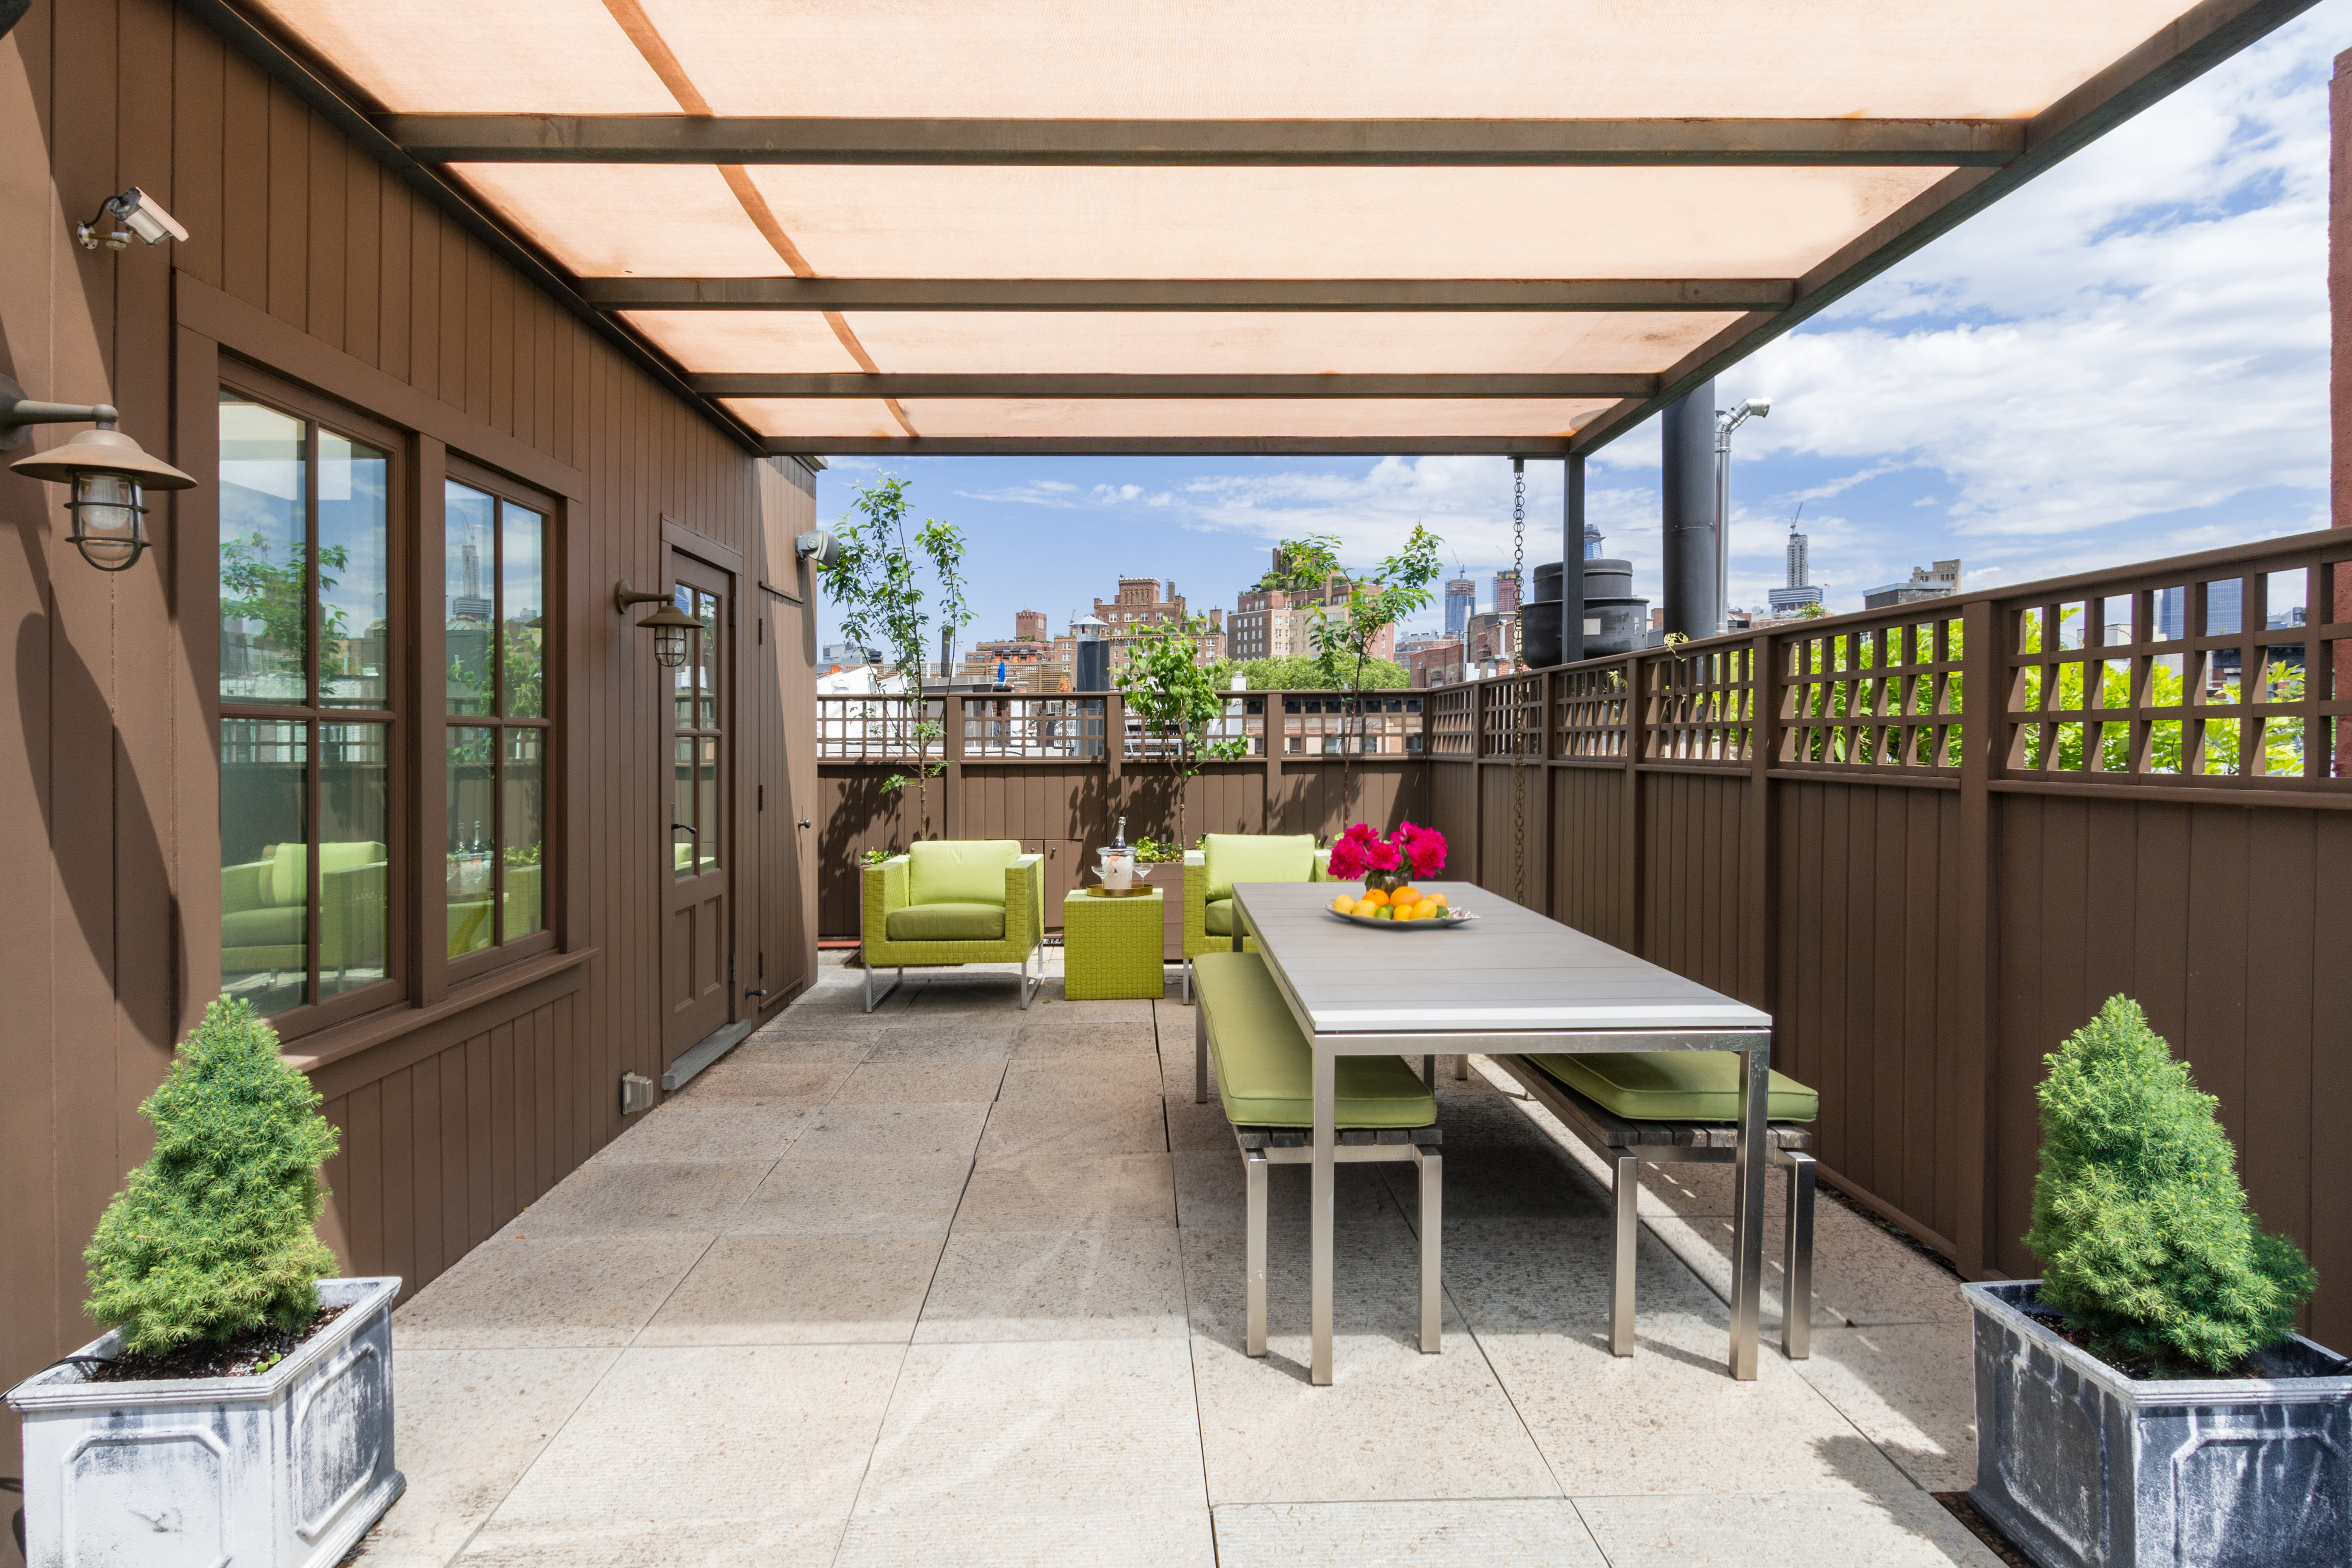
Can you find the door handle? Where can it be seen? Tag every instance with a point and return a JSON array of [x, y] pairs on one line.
[[681, 828]]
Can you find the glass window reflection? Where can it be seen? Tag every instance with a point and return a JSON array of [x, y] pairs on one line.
[[469, 573], [263, 594], [471, 874], [354, 574], [354, 869], [265, 888], [521, 610]]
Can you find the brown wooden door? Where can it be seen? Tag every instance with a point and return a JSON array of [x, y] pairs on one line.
[[698, 943]]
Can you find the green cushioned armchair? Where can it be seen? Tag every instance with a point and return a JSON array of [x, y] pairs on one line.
[[1224, 859], [262, 904], [953, 902]]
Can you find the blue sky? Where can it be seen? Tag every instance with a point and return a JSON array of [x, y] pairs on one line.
[[2128, 359]]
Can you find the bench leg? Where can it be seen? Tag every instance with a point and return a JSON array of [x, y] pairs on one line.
[[1253, 1166], [1433, 1249], [1188, 981], [1461, 1068], [1200, 1056], [1797, 1280], [1626, 1172], [1429, 1072]]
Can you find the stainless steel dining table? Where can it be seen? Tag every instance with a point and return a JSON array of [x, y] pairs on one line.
[[1507, 982]]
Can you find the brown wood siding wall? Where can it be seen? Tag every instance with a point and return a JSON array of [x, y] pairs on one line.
[[313, 262]]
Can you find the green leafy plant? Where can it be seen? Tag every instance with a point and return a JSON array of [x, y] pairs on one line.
[[2143, 1231], [213, 1236], [1151, 852], [873, 580], [875, 856], [1178, 699], [1292, 673], [1343, 635]]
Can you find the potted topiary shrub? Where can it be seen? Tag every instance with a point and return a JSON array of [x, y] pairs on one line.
[[2147, 1401], [239, 1410]]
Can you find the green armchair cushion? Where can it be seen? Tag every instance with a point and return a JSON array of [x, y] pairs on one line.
[[1674, 1086], [947, 922], [288, 870], [1217, 917], [1230, 858], [959, 871], [1266, 1069], [273, 926]]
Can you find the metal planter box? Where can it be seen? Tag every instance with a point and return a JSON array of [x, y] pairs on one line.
[[286, 1470], [2085, 1467]]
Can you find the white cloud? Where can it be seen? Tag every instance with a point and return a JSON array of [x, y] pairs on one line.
[[1036, 492]]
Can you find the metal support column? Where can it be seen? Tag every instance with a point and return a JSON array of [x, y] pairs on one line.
[[1688, 479], [1571, 561]]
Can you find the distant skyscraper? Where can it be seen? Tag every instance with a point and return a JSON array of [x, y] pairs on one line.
[[1800, 568], [2223, 610], [1591, 542], [1798, 592], [1506, 590], [1461, 604]]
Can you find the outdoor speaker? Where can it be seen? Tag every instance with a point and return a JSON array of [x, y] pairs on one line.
[[818, 545]]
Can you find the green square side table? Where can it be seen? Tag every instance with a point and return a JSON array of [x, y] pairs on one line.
[[1113, 948]]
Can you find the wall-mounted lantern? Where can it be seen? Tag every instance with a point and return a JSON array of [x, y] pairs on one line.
[[669, 624], [106, 472]]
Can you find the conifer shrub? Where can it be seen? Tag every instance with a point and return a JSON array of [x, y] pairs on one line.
[[2142, 1232], [213, 1236]]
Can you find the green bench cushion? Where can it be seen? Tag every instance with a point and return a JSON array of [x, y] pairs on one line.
[[1674, 1086], [1264, 1070], [948, 922], [959, 871], [1229, 857], [1217, 917]]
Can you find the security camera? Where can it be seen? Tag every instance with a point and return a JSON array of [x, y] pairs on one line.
[[1760, 406], [140, 216], [818, 545]]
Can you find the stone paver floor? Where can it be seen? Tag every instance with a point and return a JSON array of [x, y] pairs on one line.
[[956, 1283]]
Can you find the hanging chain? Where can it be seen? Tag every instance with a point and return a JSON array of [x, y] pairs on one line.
[[1518, 689]]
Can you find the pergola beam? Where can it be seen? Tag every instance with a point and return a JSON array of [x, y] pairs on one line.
[[905, 387], [1399, 445], [1336, 144], [1125, 294]]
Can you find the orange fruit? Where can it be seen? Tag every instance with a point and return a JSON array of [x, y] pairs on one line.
[[1435, 900], [1405, 895], [1373, 896]]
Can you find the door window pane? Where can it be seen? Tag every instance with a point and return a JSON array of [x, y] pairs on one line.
[[705, 610], [469, 572], [354, 828], [264, 602], [706, 815], [472, 832], [522, 601], [265, 891], [522, 831], [683, 677], [681, 818], [354, 576]]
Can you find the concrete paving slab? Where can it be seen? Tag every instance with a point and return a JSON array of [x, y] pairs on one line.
[[1197, 1128], [1393, 1424], [1212, 1190], [1904, 1529], [818, 1041], [695, 1131], [891, 1132], [1055, 1285], [543, 1291], [1102, 1192], [466, 1424], [1065, 1033], [621, 1197], [1105, 1122], [966, 1038], [921, 1083], [800, 1289], [1493, 1533], [752, 1080], [854, 1197], [739, 1454], [1126, 1073], [1909, 1388], [1060, 1442]]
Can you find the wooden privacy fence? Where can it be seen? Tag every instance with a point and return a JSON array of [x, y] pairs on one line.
[[1930, 840]]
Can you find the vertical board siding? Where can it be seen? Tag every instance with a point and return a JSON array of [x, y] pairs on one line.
[[110, 821]]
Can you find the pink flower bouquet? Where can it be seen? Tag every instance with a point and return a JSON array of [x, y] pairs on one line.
[[1361, 852]]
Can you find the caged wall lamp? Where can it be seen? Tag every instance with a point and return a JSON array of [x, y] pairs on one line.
[[105, 470], [669, 624]]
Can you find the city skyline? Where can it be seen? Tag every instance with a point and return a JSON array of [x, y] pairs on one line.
[[2083, 374]]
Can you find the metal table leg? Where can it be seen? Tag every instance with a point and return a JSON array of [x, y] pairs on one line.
[[1748, 1212], [1321, 1198]]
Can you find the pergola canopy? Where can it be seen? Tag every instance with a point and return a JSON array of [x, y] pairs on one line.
[[1230, 225]]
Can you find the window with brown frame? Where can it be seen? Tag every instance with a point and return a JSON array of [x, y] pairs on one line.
[[309, 707], [497, 732]]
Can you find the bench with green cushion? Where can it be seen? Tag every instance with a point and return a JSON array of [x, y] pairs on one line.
[[1630, 1107], [954, 901], [1265, 1068], [1225, 859]]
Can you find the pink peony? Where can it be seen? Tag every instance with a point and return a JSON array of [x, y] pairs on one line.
[[1347, 860], [1363, 836], [1425, 847], [1383, 857]]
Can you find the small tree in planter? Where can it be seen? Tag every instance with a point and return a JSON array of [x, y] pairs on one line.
[[242, 1400], [1177, 697], [2147, 1401], [873, 580]]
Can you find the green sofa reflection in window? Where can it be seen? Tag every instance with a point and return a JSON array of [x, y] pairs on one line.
[[263, 916], [470, 919]]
